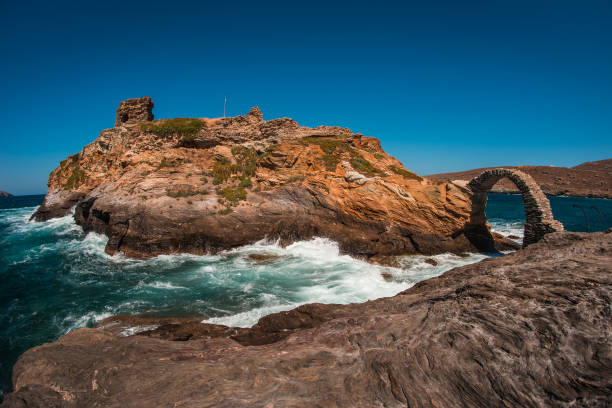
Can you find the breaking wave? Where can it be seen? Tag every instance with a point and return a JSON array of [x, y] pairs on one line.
[[57, 279]]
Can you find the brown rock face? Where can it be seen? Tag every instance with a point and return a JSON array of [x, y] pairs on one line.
[[134, 111], [529, 329], [201, 185]]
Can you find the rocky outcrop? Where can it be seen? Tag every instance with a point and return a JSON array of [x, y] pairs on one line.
[[5, 194], [591, 179], [201, 185], [529, 329]]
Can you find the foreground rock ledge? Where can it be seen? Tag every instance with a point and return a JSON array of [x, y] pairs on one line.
[[524, 330]]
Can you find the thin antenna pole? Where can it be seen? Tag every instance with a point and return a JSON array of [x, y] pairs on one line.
[[224, 103]]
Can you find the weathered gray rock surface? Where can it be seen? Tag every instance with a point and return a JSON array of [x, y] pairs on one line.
[[529, 329]]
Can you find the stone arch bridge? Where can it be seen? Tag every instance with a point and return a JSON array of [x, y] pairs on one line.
[[539, 219]]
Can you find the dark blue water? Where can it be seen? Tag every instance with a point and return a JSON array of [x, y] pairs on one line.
[[21, 201], [55, 279], [571, 211]]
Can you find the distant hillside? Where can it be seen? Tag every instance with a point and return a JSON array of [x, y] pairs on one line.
[[5, 194], [590, 179], [601, 165]]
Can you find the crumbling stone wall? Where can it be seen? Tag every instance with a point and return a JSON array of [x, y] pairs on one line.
[[134, 111]]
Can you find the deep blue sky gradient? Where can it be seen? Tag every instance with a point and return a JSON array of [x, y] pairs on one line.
[[445, 85]]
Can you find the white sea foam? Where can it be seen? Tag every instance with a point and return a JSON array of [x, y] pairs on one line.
[[160, 285], [73, 322], [239, 290], [250, 317], [508, 229], [322, 274], [19, 220], [129, 331]]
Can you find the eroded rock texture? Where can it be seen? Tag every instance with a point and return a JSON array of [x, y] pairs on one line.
[[530, 329], [202, 185]]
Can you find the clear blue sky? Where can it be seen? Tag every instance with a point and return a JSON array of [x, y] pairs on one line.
[[445, 85]]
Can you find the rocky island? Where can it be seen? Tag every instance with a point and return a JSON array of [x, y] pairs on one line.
[[5, 194], [529, 329], [200, 185]]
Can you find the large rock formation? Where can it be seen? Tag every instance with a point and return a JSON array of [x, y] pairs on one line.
[[200, 185], [529, 329], [5, 194], [590, 179]]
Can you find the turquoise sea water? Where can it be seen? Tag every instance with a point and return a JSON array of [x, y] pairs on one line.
[[55, 279]]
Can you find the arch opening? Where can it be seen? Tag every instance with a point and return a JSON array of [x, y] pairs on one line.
[[539, 219]]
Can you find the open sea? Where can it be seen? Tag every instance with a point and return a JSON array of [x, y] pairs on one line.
[[55, 279]]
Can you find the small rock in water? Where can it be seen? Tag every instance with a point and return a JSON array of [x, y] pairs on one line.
[[513, 237], [431, 261], [392, 261], [386, 276], [263, 258]]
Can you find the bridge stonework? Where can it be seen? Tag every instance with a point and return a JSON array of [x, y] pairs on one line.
[[539, 219]]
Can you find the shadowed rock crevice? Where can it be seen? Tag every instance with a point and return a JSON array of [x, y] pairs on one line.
[[539, 218]]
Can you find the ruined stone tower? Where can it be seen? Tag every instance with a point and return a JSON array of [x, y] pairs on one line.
[[134, 110]]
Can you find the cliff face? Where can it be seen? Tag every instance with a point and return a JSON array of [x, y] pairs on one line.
[[591, 179], [528, 329], [199, 185]]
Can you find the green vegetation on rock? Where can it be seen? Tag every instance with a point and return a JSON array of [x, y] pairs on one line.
[[187, 128], [405, 173], [233, 194], [76, 177], [71, 166], [185, 193], [245, 182], [333, 148], [363, 166], [246, 160], [164, 163], [221, 172]]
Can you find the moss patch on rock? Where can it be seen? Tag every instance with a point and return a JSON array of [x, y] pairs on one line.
[[333, 149], [76, 177], [363, 166], [188, 192], [187, 128], [233, 194], [405, 173]]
